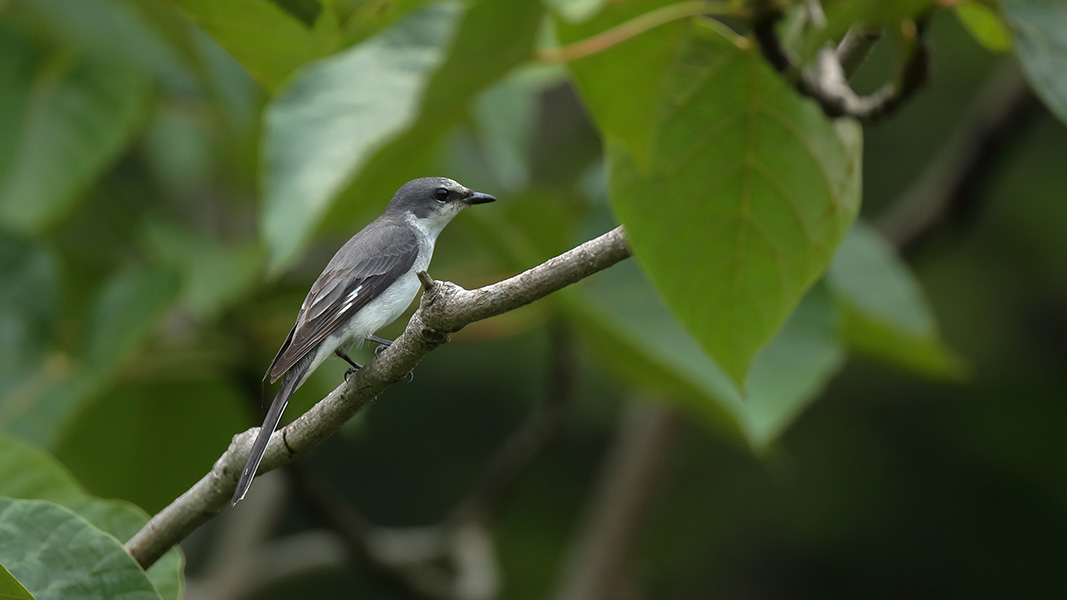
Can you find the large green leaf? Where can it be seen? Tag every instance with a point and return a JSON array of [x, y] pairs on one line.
[[10, 588], [268, 41], [58, 555], [1039, 28], [29, 474], [65, 118], [122, 521], [324, 126], [884, 313], [748, 191]]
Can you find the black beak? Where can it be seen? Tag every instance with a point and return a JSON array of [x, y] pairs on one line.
[[479, 198]]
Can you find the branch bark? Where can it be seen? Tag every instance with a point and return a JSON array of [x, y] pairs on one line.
[[444, 309]]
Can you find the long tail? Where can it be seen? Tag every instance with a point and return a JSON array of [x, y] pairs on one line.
[[292, 380]]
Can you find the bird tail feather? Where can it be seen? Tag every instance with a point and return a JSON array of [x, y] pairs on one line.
[[292, 380]]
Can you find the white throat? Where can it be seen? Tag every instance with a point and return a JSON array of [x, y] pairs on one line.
[[430, 227]]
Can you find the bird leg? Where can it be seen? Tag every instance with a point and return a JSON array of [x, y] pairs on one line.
[[355, 365], [382, 343]]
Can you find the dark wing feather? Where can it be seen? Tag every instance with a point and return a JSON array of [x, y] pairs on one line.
[[374, 259]]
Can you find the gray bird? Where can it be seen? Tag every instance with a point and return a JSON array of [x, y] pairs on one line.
[[366, 285]]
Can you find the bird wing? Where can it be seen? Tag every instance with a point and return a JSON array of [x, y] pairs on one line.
[[360, 271]]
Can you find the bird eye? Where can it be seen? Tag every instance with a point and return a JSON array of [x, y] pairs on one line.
[[440, 194]]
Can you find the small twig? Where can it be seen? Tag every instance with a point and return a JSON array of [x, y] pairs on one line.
[[445, 308], [827, 83], [425, 279]]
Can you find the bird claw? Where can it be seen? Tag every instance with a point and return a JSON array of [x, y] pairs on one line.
[[382, 343], [350, 372]]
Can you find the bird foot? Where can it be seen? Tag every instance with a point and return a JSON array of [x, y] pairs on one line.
[[382, 343]]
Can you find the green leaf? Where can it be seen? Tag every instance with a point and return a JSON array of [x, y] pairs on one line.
[[747, 194], [268, 41], [122, 520], [10, 588], [30, 474], [1039, 28], [321, 130], [884, 313], [984, 25], [69, 117], [58, 555]]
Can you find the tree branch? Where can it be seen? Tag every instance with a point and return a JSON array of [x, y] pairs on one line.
[[444, 308]]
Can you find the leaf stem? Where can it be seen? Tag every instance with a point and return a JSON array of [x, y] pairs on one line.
[[634, 27]]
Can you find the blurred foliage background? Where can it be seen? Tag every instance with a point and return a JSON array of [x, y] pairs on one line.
[[159, 229]]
